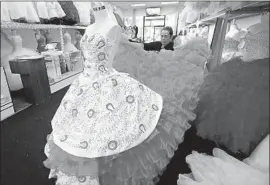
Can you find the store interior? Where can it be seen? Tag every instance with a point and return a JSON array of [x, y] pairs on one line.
[[41, 56]]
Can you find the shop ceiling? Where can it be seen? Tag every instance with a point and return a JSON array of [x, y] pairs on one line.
[[127, 5]]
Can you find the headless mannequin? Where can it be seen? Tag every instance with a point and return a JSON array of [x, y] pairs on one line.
[[41, 40], [14, 80], [106, 25], [78, 37], [68, 46]]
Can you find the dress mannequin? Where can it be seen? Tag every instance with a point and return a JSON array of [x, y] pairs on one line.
[[78, 37], [68, 46], [14, 80], [255, 44], [41, 40], [85, 113]]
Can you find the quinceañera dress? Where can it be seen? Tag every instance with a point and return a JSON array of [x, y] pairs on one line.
[[110, 129]]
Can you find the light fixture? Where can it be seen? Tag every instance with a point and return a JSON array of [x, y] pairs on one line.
[[167, 3], [136, 5]]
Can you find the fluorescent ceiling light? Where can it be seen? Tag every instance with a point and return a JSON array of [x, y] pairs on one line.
[[165, 3], [135, 5]]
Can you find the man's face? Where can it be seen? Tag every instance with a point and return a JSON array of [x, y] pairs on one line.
[[165, 37]]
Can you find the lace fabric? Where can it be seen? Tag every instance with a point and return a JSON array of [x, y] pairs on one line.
[[255, 46]]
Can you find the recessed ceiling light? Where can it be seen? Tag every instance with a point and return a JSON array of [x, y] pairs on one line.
[[165, 3], [136, 5]]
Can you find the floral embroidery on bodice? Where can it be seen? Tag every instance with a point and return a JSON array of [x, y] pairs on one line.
[[96, 51], [104, 112]]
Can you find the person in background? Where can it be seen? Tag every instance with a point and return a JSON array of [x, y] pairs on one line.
[[165, 43]]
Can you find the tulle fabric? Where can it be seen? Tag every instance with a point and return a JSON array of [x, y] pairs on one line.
[[221, 169], [139, 165], [233, 110], [230, 49], [177, 82]]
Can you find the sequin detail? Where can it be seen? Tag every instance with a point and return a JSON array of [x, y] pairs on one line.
[[84, 144], [155, 107], [81, 179], [112, 145], [130, 99], [90, 113], [110, 107]]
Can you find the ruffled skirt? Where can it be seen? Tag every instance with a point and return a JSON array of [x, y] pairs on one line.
[[233, 110], [139, 165], [178, 84]]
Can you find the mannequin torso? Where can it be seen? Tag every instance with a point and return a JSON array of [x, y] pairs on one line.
[[106, 26], [68, 46], [14, 80]]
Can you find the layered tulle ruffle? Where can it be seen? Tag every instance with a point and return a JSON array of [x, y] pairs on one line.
[[139, 165], [233, 109]]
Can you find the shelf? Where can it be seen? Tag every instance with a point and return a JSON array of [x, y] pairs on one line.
[[16, 25], [66, 80], [7, 110], [246, 10]]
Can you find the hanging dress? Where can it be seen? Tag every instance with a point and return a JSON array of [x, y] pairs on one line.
[[42, 11], [23, 12], [5, 12], [72, 15], [55, 12], [84, 11], [234, 99]]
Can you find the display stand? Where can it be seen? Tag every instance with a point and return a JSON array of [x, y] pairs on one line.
[[68, 77], [34, 78]]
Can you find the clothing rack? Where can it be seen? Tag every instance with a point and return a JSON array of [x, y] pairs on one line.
[[221, 20]]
